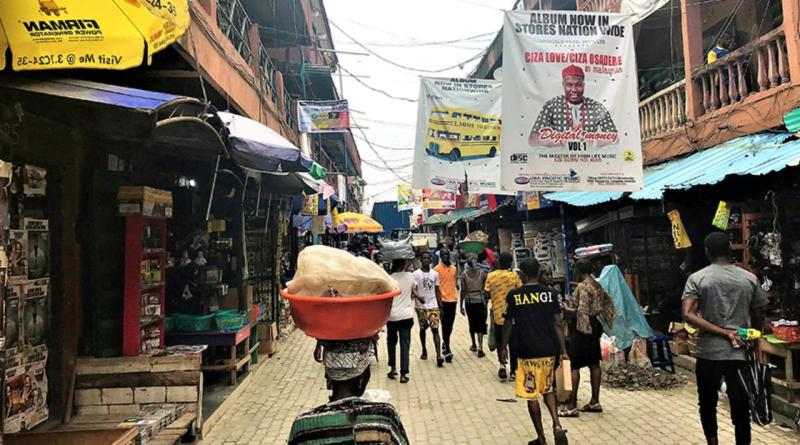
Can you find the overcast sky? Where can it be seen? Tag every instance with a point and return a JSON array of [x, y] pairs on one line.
[[380, 24]]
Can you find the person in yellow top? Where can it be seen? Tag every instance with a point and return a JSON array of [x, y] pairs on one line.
[[448, 274], [499, 283]]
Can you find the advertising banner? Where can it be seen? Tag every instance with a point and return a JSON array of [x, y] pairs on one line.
[[458, 134], [570, 105], [438, 199], [407, 198], [326, 116]]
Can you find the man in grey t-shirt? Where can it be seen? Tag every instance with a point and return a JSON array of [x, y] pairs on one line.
[[719, 300]]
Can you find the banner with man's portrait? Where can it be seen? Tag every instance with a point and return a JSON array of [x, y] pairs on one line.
[[570, 105]]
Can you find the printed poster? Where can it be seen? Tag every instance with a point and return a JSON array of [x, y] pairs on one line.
[[438, 199], [26, 391], [34, 181], [35, 313], [570, 105], [38, 248], [310, 205], [17, 256], [458, 135], [679, 235], [326, 116], [13, 327], [407, 197]]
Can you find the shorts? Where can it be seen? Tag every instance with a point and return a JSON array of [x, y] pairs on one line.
[[429, 318], [535, 377]]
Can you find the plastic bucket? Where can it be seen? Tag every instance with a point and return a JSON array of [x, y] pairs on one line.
[[340, 318]]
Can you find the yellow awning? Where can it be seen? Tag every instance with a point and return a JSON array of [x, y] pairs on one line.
[[356, 223], [105, 34]]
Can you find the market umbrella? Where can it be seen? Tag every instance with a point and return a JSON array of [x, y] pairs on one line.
[[351, 222], [104, 34], [257, 147]]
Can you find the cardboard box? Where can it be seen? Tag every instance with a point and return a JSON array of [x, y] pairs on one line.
[[248, 296], [679, 347], [230, 300], [145, 201], [268, 338]]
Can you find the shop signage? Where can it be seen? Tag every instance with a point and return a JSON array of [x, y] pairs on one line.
[[679, 235], [326, 116], [722, 216], [407, 197], [438, 199], [570, 107], [310, 205], [458, 135], [114, 34]]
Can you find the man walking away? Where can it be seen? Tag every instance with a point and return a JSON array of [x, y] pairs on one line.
[[448, 274], [535, 315], [401, 319], [428, 304], [499, 283], [473, 303], [718, 300]]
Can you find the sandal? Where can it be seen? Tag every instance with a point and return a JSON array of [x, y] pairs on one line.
[[561, 436], [564, 412], [592, 408], [404, 378], [534, 442], [481, 354], [392, 375]]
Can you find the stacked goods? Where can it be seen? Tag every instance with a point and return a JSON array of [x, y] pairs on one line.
[[786, 330], [395, 250], [324, 272], [146, 201], [478, 236], [680, 339], [152, 419]]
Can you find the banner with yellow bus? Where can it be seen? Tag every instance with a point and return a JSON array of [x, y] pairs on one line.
[[458, 135]]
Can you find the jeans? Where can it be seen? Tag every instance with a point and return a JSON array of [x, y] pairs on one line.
[[403, 329], [448, 320], [709, 378]]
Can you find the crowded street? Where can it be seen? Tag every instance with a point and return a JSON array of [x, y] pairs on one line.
[[463, 403]]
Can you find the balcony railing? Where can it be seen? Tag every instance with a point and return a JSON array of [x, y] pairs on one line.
[[663, 111], [758, 66], [234, 22], [267, 72], [599, 5], [288, 109]]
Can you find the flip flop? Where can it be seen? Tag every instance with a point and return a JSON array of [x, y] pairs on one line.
[[589, 408], [568, 412], [561, 436]]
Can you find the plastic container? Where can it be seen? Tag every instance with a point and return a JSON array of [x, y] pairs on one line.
[[230, 320], [475, 247], [340, 318], [192, 323], [789, 334]]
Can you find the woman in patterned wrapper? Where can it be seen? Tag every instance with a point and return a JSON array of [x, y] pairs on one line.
[[572, 113]]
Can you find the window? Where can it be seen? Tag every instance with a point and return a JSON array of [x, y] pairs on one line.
[[456, 115], [439, 113], [467, 138], [467, 116], [485, 120], [454, 136], [494, 138], [431, 133], [487, 138], [442, 135]]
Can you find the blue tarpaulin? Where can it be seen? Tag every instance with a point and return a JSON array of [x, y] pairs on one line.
[[630, 322], [756, 154]]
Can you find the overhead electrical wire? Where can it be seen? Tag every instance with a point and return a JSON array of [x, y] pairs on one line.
[[410, 38], [386, 147], [369, 144], [415, 42], [377, 90], [459, 65]]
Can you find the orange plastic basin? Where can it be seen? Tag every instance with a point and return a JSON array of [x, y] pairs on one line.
[[340, 318]]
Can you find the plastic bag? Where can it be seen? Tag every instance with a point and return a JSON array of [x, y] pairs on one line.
[[325, 271], [492, 343], [478, 236], [564, 380], [395, 250], [638, 355]]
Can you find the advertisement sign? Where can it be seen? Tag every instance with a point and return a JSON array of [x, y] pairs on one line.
[[407, 197], [570, 105], [531, 201], [55, 34], [438, 199], [458, 135], [326, 116]]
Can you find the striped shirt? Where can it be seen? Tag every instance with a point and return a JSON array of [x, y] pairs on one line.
[[349, 421]]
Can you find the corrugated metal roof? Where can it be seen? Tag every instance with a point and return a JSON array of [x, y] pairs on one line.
[[756, 154], [468, 213]]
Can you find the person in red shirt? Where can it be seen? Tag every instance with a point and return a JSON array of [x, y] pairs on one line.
[[448, 275]]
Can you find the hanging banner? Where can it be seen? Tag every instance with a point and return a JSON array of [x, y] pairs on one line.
[[310, 205], [407, 198], [438, 199], [722, 216], [570, 105], [458, 135], [679, 235], [326, 116], [531, 201]]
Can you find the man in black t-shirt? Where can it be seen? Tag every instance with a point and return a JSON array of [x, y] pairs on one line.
[[533, 318]]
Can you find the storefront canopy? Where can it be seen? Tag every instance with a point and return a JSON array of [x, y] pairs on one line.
[[257, 147], [756, 154], [350, 222], [291, 183], [106, 34], [159, 121]]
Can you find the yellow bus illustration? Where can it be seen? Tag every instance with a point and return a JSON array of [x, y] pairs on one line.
[[459, 134]]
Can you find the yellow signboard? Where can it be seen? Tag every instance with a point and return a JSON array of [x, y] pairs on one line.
[[106, 34], [679, 235]]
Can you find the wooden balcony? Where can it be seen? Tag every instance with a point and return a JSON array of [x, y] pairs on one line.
[[747, 91]]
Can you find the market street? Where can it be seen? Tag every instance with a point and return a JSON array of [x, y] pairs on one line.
[[459, 404]]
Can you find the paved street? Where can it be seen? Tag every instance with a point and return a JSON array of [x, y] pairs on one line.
[[459, 405]]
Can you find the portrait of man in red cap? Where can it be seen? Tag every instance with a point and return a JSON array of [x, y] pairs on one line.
[[573, 116]]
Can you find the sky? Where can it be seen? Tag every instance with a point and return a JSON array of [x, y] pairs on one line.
[[397, 31]]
